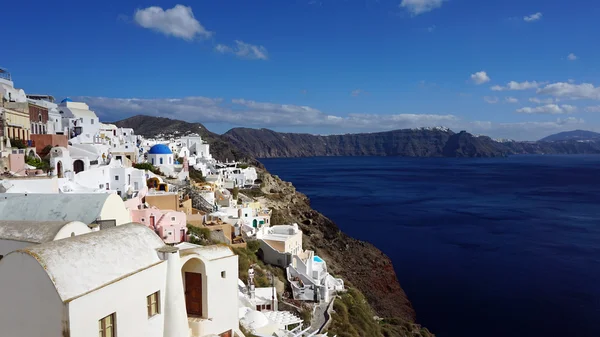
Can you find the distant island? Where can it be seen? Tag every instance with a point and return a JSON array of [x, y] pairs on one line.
[[239, 143]]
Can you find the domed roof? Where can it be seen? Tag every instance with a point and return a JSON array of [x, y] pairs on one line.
[[160, 149], [66, 100]]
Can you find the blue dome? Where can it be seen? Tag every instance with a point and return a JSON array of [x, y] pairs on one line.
[[160, 149], [66, 100]]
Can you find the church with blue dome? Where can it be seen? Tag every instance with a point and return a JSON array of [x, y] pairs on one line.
[[160, 155]]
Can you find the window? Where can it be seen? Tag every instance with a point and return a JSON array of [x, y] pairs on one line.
[[152, 302], [101, 186], [40, 117], [161, 161], [92, 121], [152, 161], [143, 220], [106, 326], [116, 177], [172, 218], [223, 274]]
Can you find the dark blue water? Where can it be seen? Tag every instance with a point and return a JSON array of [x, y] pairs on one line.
[[483, 247]]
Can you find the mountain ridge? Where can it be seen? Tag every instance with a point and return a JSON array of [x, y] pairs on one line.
[[572, 135]]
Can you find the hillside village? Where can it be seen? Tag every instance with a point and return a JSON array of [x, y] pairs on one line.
[[105, 231]]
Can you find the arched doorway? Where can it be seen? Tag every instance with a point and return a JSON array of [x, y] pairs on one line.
[[31, 154], [59, 169], [254, 223], [193, 272], [78, 166]]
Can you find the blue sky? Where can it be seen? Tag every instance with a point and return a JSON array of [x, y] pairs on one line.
[[318, 66]]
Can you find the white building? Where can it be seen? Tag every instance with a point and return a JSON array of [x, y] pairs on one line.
[[79, 120], [124, 181], [8, 92], [278, 244], [119, 282], [196, 146], [310, 280], [103, 209], [16, 235]]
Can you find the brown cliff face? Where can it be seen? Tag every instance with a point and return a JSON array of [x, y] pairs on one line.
[[359, 263]]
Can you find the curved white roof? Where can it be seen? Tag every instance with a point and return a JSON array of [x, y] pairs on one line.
[[34, 231], [208, 253], [84, 263], [252, 319], [84, 207]]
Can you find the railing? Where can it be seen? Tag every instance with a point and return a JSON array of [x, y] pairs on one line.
[[5, 75]]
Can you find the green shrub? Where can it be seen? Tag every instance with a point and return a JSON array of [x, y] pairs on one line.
[[353, 317], [38, 163], [18, 143], [253, 192], [203, 235], [148, 167], [196, 175]]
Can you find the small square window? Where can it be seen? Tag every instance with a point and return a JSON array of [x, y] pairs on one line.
[[116, 177], [172, 218], [153, 304], [223, 274], [107, 326]]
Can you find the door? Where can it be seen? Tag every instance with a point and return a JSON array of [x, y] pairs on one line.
[[152, 218], [193, 293]]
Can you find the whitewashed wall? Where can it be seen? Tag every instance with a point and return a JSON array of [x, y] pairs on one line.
[[126, 298], [30, 305], [114, 208]]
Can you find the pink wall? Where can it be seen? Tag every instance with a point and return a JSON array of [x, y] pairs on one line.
[[17, 163], [169, 229]]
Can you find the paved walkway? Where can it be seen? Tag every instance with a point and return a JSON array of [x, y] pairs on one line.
[[319, 318]]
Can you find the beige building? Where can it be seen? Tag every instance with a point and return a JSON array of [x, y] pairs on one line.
[[14, 111]]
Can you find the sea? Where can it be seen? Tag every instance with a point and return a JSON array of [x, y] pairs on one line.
[[500, 247]]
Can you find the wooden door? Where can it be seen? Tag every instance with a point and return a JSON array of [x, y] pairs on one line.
[[193, 293], [152, 221]]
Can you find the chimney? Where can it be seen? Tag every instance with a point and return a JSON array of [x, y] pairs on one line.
[[251, 291], [175, 314]]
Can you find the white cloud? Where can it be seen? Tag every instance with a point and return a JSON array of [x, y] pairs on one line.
[[542, 101], [178, 21], [512, 85], [491, 99], [416, 7], [244, 50], [572, 91], [552, 109], [357, 92], [480, 77], [511, 100], [257, 114], [572, 57], [593, 108], [533, 17], [249, 113], [431, 28]]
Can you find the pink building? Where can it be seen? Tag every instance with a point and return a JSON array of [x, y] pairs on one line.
[[171, 226]]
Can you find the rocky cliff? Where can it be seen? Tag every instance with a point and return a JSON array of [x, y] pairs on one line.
[[436, 142], [424, 142], [359, 263]]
